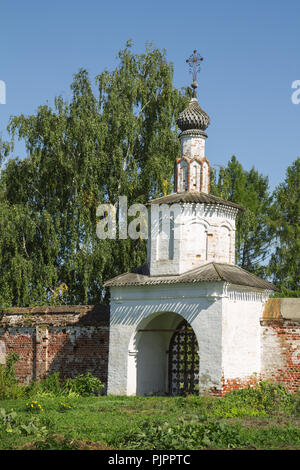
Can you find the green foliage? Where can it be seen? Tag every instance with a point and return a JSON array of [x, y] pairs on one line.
[[7, 419], [9, 387], [120, 140], [10, 422], [184, 435], [52, 386], [34, 407], [193, 422], [9, 370], [249, 189], [267, 397], [285, 229], [84, 385]]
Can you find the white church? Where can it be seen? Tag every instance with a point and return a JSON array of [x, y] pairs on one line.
[[189, 320]]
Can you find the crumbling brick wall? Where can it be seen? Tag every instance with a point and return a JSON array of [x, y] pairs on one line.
[[281, 342], [75, 339], [66, 339]]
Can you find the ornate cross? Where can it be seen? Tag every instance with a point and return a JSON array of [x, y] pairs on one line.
[[194, 64]]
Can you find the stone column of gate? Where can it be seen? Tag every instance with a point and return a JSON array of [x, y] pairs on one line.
[[119, 339]]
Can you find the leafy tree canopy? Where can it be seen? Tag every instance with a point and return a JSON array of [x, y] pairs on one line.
[[250, 189], [118, 140], [121, 140], [285, 228]]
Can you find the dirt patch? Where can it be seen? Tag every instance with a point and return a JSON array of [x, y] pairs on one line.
[[253, 422], [57, 440]]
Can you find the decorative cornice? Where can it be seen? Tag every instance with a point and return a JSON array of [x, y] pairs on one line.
[[193, 133]]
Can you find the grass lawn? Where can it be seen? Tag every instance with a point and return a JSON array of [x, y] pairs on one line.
[[247, 419]]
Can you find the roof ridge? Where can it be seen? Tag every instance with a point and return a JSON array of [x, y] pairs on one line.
[[249, 273], [217, 270], [207, 196]]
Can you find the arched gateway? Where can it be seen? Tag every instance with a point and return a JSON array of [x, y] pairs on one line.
[[163, 357]]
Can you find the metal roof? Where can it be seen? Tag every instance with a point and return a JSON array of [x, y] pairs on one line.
[[205, 273], [194, 197]]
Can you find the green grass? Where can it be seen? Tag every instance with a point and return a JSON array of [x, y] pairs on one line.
[[267, 418], [57, 413]]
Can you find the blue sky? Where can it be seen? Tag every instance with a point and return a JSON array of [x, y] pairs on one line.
[[251, 51]]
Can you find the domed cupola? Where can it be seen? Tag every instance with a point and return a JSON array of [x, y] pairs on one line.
[[192, 171], [193, 118]]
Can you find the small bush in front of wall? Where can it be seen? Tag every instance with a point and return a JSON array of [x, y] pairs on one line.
[[9, 387], [266, 397], [54, 385], [84, 385]]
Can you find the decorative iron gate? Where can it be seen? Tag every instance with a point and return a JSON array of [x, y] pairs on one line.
[[183, 361]]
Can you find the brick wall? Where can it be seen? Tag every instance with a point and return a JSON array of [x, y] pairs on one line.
[[66, 339], [74, 339], [280, 325]]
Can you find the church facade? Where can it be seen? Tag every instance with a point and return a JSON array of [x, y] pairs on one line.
[[189, 320]]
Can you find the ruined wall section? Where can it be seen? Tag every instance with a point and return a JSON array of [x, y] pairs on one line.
[[280, 335], [66, 339]]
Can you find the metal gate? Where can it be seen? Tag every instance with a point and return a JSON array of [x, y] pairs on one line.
[[183, 361]]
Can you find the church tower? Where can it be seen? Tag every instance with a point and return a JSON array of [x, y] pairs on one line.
[[191, 227], [187, 321], [192, 169]]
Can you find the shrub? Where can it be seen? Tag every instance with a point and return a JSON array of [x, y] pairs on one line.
[[54, 385], [266, 397], [9, 387], [84, 385], [51, 385], [184, 435]]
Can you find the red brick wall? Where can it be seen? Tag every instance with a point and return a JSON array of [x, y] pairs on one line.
[[70, 340], [74, 339], [281, 352]]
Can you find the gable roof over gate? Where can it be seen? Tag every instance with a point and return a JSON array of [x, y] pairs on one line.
[[210, 272]]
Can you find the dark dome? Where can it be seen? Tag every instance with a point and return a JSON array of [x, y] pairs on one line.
[[193, 117]]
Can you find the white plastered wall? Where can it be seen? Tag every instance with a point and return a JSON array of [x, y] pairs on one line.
[[241, 332], [202, 233], [133, 369]]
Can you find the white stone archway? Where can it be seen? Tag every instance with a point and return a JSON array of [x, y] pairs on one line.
[[133, 308], [148, 354]]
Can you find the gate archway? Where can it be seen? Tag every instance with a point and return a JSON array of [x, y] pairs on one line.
[[183, 361]]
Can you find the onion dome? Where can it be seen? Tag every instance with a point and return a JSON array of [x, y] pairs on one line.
[[193, 117]]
